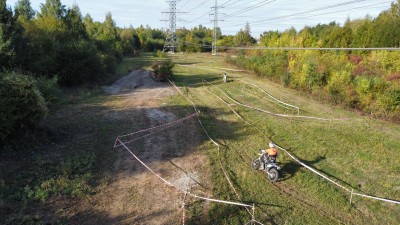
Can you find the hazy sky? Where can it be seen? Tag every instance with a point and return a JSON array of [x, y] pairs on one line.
[[262, 15]]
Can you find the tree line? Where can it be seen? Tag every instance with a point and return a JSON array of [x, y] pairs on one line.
[[199, 39], [57, 46], [368, 81], [58, 40]]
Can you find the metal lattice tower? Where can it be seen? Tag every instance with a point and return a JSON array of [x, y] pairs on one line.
[[171, 40], [215, 33]]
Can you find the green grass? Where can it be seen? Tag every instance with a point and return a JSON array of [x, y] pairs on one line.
[[361, 153], [71, 155], [144, 61]]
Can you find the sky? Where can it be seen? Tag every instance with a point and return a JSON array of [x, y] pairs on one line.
[[262, 15]]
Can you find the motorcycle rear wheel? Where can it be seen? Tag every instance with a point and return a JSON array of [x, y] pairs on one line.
[[273, 174]]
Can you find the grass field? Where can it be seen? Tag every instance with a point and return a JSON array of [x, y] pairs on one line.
[[360, 153], [71, 156]]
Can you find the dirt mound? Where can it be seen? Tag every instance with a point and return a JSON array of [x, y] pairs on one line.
[[137, 79]]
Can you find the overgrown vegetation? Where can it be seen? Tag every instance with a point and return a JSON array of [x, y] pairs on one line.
[[22, 105], [163, 70], [363, 80]]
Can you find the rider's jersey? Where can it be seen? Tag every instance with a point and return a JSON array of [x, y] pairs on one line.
[[271, 152]]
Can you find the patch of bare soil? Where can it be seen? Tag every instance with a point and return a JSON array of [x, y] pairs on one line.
[[135, 195]]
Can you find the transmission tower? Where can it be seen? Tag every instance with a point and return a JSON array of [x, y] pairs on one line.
[[215, 33], [171, 40]]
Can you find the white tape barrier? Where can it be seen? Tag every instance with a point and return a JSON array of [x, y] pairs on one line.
[[286, 104], [212, 69], [179, 90], [179, 189], [214, 142], [162, 125], [234, 70], [183, 209], [337, 184], [269, 95], [377, 198], [159, 129], [228, 106], [268, 112], [314, 170], [147, 135]]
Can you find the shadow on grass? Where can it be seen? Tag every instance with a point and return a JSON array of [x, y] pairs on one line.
[[196, 80], [77, 142], [290, 169]]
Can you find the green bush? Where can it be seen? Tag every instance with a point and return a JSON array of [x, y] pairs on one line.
[[48, 88], [163, 70], [311, 77], [160, 54], [22, 105], [337, 85]]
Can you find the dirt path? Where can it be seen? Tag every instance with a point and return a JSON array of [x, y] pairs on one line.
[[135, 195]]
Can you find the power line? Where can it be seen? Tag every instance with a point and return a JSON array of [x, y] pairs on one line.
[[307, 11], [325, 13], [184, 4], [257, 5], [199, 5]]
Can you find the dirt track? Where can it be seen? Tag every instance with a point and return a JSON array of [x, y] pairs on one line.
[[135, 195]]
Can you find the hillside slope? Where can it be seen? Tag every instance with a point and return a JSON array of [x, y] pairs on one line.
[[359, 153]]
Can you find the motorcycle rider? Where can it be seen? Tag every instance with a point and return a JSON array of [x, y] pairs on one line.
[[270, 154]]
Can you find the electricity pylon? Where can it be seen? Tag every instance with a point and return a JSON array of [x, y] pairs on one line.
[[171, 40], [215, 33]]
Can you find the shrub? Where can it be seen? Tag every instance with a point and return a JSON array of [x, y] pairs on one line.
[[48, 88], [337, 84], [163, 70], [22, 105], [312, 78], [160, 54]]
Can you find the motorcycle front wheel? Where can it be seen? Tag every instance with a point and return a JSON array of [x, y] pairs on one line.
[[255, 164], [273, 174]]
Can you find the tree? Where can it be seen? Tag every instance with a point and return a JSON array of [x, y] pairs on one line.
[[52, 8], [340, 37], [243, 37], [386, 27], [74, 23], [7, 35], [108, 29], [23, 9], [362, 36], [130, 41]]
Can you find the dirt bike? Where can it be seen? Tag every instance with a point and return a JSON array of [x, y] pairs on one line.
[[271, 168]]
